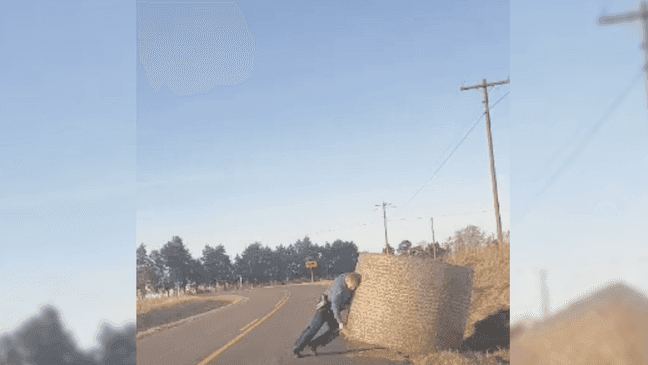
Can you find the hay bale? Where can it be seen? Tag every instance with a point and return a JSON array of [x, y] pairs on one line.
[[411, 304], [361, 256]]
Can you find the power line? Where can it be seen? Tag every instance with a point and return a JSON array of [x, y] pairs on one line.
[[393, 220], [451, 153], [579, 148], [441, 215]]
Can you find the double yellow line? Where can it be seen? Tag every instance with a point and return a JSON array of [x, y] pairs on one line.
[[245, 330]]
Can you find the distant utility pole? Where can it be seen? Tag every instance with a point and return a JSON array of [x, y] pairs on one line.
[[544, 293], [485, 87], [385, 218], [433, 241], [628, 17]]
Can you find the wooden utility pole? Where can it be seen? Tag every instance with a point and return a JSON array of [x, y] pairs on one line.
[[544, 293], [385, 218], [485, 87], [433, 241], [642, 15]]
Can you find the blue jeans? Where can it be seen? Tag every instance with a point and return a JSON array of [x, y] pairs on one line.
[[321, 331]]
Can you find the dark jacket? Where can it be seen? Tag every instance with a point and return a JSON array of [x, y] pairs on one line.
[[339, 295]]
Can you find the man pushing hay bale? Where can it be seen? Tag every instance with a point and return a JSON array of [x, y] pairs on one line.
[[410, 304]]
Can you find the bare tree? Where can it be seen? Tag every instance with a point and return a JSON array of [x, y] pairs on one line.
[[404, 247], [469, 237]]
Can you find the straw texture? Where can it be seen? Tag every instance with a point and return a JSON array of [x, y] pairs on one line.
[[410, 303]]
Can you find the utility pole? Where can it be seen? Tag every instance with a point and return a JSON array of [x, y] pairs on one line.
[[544, 293], [433, 241], [485, 87], [628, 17], [385, 218]]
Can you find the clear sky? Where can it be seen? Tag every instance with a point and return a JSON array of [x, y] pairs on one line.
[[347, 104], [588, 226], [67, 162]]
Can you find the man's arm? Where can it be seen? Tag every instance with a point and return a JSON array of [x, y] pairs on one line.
[[336, 304], [336, 297]]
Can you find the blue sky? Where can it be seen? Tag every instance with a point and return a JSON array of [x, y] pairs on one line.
[[67, 163], [587, 228], [348, 104]]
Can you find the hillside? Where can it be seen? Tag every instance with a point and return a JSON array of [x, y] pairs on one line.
[[609, 326]]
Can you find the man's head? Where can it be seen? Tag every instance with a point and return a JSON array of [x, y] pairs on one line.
[[352, 280]]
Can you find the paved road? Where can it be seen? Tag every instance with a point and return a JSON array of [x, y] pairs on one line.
[[269, 343]]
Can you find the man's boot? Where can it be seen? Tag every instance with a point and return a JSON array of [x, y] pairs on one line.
[[313, 349]]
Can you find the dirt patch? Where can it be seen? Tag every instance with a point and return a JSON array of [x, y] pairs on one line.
[[169, 315]]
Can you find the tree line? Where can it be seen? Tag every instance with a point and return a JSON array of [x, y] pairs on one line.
[[172, 266], [469, 237]]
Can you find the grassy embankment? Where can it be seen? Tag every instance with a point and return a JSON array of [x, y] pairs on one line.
[[148, 305]]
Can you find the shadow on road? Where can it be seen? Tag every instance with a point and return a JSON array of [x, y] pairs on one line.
[[360, 350]]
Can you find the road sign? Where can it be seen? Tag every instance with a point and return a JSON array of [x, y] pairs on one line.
[[311, 265]]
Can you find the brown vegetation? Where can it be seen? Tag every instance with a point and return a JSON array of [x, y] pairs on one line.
[[607, 327], [149, 305]]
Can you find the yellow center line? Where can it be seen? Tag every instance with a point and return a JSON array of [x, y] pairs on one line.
[[248, 325], [238, 338]]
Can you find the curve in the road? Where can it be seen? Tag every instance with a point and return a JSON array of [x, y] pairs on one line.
[[247, 330], [174, 324]]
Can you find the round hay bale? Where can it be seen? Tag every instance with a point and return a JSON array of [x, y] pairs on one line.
[[411, 304], [361, 256]]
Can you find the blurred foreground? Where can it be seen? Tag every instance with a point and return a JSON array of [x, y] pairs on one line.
[[44, 340], [609, 326]]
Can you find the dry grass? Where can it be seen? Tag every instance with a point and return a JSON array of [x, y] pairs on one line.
[[441, 357], [492, 285], [325, 283], [149, 305], [465, 358]]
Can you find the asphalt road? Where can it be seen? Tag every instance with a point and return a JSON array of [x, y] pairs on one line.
[[269, 342]]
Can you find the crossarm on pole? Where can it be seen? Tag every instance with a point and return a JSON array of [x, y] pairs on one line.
[[485, 85], [629, 17]]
